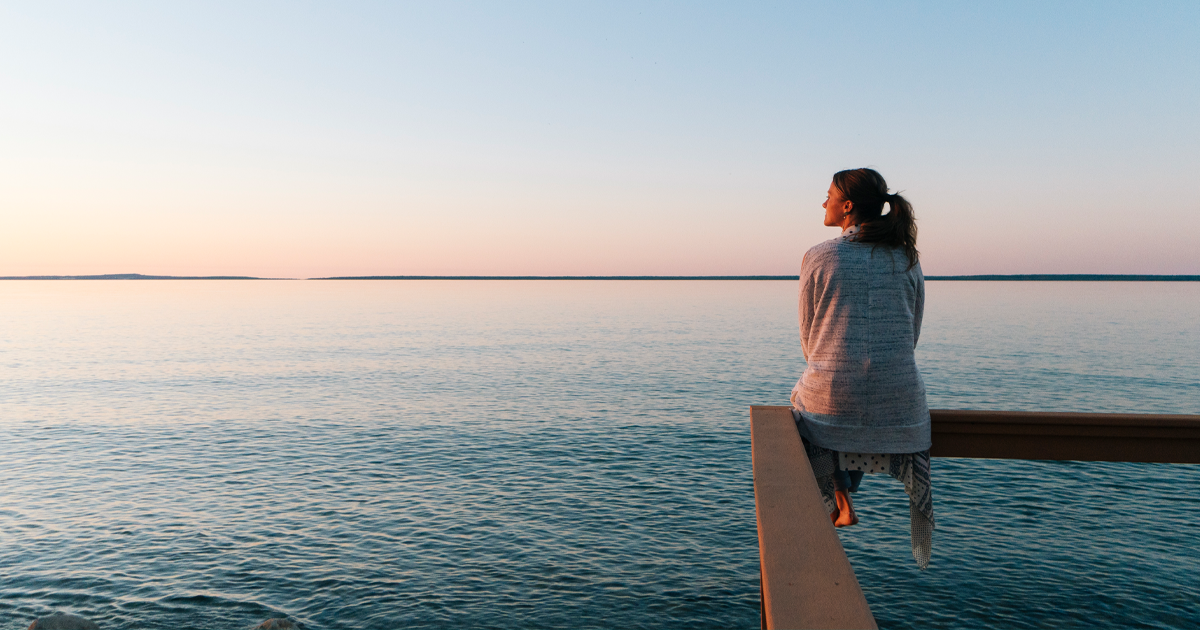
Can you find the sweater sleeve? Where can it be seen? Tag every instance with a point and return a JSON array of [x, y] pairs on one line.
[[806, 302], [919, 307]]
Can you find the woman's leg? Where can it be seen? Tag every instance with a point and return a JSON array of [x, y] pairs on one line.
[[855, 479]]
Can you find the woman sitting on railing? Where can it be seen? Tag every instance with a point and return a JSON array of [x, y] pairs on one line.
[[860, 404]]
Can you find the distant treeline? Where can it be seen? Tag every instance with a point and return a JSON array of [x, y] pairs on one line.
[[1055, 277], [1018, 277], [129, 276], [1075, 277], [560, 278]]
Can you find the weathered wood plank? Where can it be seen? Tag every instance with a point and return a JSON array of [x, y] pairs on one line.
[[807, 581]]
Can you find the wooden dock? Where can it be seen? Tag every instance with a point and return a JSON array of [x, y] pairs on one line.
[[807, 580]]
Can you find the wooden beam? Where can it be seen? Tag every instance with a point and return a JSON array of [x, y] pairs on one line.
[[1095, 437], [807, 581]]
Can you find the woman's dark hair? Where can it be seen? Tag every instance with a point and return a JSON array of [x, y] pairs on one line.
[[867, 190]]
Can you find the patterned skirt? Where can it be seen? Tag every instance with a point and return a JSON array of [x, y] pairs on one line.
[[911, 469]]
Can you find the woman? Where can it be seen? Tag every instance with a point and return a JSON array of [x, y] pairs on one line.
[[860, 404]]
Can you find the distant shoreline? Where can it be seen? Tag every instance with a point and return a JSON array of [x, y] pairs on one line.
[[1071, 277], [1037, 277], [134, 276]]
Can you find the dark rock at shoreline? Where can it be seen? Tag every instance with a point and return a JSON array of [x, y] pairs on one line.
[[62, 621]]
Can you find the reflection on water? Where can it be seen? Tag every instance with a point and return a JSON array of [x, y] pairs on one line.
[[432, 454]]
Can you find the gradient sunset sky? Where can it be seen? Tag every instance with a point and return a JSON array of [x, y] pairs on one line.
[[294, 139]]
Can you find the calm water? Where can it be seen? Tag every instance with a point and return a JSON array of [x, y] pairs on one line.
[[549, 454]]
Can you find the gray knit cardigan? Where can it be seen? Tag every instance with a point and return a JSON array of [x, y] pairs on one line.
[[860, 317]]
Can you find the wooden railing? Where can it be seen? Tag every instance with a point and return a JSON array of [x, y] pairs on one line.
[[1091, 437], [807, 580]]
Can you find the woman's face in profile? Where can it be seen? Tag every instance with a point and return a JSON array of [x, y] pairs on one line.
[[836, 207]]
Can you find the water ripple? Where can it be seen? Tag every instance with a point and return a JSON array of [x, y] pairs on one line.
[[379, 455]]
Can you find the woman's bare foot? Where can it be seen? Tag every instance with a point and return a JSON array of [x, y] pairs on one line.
[[844, 516]]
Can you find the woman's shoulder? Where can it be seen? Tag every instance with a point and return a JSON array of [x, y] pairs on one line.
[[832, 259], [834, 250]]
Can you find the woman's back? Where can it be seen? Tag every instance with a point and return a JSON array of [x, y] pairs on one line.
[[860, 403], [860, 317]]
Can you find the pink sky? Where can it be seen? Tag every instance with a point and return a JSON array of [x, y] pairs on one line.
[[382, 140]]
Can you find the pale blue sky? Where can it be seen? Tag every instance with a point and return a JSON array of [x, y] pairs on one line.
[[302, 139]]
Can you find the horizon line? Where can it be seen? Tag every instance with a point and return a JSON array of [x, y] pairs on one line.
[[1044, 277]]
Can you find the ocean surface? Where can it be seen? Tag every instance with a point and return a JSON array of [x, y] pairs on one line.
[[551, 454]]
